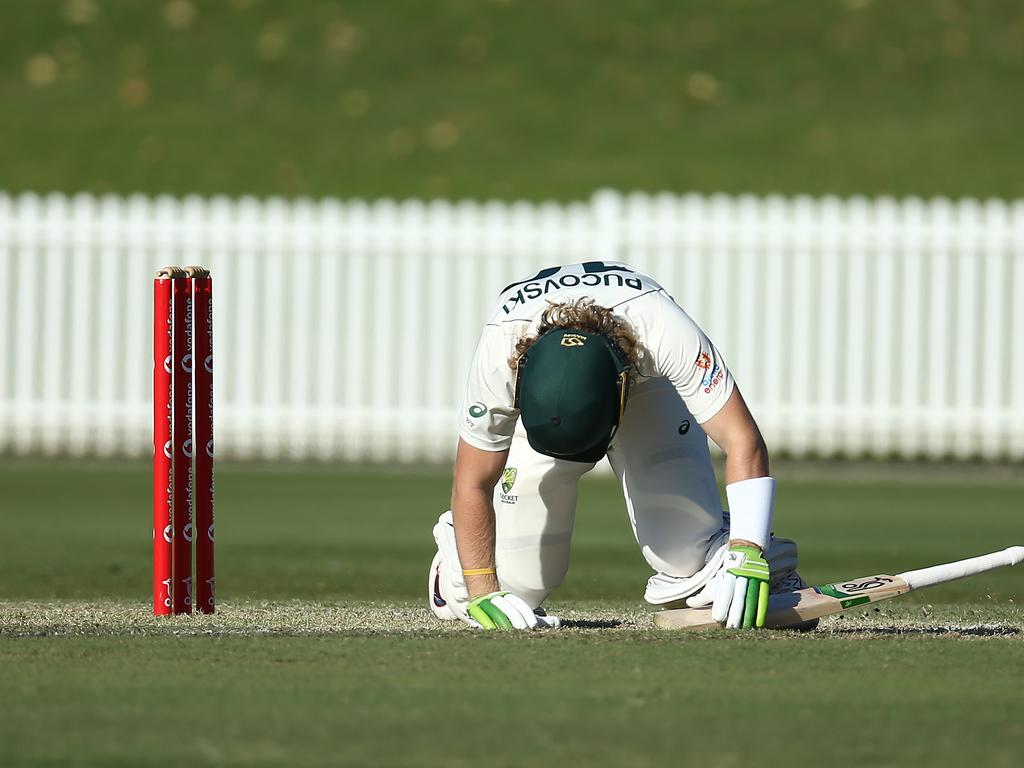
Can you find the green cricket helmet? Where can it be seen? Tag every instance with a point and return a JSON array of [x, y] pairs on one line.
[[571, 388]]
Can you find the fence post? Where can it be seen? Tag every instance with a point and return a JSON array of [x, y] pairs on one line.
[[606, 208], [904, 314]]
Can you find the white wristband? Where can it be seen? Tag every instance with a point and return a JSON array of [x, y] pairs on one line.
[[750, 509]]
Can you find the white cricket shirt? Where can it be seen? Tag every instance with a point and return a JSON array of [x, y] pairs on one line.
[[672, 345]]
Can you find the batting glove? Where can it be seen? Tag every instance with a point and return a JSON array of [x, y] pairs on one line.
[[741, 599], [503, 610]]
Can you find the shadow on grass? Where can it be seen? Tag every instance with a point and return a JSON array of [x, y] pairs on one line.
[[997, 630], [591, 623]]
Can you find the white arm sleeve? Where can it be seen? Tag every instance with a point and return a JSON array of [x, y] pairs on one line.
[[487, 418], [683, 354]]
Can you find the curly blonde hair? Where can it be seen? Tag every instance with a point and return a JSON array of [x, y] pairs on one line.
[[584, 314]]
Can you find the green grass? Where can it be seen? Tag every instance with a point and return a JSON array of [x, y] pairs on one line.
[[460, 98], [328, 535], [452, 701], [322, 654]]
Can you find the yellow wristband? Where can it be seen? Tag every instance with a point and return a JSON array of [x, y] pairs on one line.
[[478, 572]]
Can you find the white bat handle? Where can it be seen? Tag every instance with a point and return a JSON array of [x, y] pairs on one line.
[[938, 574]]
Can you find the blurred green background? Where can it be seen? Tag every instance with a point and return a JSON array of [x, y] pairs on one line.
[[507, 100], [467, 98], [321, 533]]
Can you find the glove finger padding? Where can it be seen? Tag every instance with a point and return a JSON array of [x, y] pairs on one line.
[[517, 611], [750, 603], [737, 603], [741, 597], [503, 610], [762, 604], [725, 584], [705, 596], [487, 614]]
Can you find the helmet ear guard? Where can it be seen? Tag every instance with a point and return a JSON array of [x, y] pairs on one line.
[[625, 378]]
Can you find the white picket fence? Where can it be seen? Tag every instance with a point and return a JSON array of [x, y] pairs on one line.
[[343, 329]]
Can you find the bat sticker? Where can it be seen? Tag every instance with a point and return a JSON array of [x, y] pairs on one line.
[[851, 588]]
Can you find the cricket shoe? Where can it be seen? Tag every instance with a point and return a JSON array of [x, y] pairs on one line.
[[437, 603]]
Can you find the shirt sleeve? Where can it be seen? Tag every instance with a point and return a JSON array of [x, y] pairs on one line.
[[683, 354], [487, 418]]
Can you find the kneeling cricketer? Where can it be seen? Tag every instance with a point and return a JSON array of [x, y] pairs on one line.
[[577, 363]]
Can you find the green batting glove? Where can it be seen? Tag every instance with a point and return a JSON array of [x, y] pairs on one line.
[[503, 610], [488, 615], [742, 596]]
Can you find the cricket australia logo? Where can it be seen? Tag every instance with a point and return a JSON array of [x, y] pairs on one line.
[[508, 479]]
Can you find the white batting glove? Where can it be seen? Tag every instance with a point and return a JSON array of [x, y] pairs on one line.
[[503, 610], [741, 597]]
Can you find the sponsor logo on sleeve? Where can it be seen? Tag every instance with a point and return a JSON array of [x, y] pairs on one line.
[[712, 379], [714, 373], [476, 410]]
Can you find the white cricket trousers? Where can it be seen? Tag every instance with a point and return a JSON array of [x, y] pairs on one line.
[[661, 459]]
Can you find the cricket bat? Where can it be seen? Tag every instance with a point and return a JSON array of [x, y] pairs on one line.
[[788, 609]]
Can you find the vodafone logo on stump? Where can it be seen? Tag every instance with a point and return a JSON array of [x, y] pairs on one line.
[[183, 335]]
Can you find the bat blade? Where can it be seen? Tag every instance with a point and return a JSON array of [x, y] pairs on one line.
[[788, 609]]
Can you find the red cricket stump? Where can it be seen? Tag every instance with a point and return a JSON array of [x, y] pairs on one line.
[[202, 329], [181, 591], [162, 447], [182, 391]]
